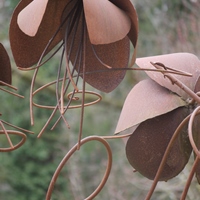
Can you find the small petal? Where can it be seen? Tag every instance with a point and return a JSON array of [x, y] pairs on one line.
[[29, 19], [115, 55], [5, 66], [146, 100], [129, 9], [27, 50], [181, 61], [106, 23]]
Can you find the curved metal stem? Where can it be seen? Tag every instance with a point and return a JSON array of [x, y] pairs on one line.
[[70, 153], [189, 180], [190, 125], [163, 161]]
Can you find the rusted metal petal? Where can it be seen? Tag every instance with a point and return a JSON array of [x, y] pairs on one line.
[[29, 19], [27, 50], [129, 9], [146, 146], [106, 23], [146, 100], [182, 61], [115, 55], [5, 66]]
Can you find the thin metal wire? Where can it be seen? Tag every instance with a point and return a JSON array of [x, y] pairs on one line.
[[16, 127], [196, 151], [163, 161], [190, 126], [189, 179], [69, 96], [8, 91], [8, 132], [19, 144], [7, 135], [177, 82]]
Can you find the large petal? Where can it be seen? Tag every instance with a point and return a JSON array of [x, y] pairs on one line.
[[182, 61], [106, 23], [115, 55], [147, 145], [27, 50], [129, 9], [146, 100], [5, 66], [29, 19]]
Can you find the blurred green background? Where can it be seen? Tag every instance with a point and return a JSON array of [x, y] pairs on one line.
[[164, 27]]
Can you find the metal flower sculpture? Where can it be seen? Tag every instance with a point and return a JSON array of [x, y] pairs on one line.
[[5, 80], [95, 39], [156, 114]]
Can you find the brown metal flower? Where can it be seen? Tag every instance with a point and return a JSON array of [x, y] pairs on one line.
[[155, 112], [5, 80], [95, 39], [95, 34]]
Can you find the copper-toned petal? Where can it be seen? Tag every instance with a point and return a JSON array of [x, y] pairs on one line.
[[146, 146], [146, 100], [129, 9], [106, 23], [27, 50], [5, 66], [30, 17], [116, 55], [182, 61]]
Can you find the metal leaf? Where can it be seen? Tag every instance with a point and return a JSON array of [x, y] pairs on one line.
[[146, 100], [29, 19], [5, 66], [182, 61], [106, 23]]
